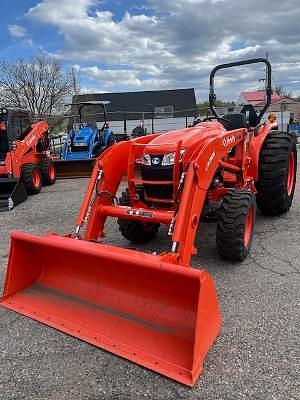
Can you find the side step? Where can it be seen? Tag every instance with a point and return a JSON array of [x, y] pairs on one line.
[[12, 193]]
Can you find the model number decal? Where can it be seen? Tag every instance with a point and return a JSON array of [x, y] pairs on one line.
[[140, 213], [209, 161]]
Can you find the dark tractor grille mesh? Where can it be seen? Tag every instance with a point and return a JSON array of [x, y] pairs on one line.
[[77, 149], [158, 173]]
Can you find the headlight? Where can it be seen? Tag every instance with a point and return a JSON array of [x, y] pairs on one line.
[[146, 160], [169, 158], [161, 160]]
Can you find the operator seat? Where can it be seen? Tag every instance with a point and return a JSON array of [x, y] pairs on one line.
[[250, 114], [238, 120]]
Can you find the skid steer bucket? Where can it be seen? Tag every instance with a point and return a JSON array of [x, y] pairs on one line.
[[74, 168], [12, 192], [162, 316]]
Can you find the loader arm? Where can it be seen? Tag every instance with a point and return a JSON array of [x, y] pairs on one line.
[[112, 166], [197, 182]]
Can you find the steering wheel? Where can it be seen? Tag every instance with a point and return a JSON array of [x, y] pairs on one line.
[[225, 120]]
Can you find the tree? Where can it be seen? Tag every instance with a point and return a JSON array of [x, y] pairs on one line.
[[40, 86], [204, 105], [282, 92]]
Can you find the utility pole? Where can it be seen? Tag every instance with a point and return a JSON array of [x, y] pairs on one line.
[[75, 89]]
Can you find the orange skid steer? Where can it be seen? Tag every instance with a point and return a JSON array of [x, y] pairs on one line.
[[154, 309], [26, 162]]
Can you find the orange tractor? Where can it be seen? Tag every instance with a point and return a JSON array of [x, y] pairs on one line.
[[25, 159], [154, 309]]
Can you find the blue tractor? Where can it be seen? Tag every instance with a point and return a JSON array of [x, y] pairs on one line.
[[85, 139]]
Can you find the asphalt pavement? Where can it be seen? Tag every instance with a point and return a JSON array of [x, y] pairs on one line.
[[255, 357]]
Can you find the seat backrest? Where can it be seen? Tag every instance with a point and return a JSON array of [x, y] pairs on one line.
[[238, 120], [250, 114]]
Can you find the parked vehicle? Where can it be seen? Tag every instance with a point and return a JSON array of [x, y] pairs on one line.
[[84, 142], [26, 162]]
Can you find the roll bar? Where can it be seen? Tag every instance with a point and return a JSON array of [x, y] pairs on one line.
[[82, 104], [212, 95]]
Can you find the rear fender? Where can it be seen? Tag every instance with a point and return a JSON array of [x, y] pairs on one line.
[[255, 146]]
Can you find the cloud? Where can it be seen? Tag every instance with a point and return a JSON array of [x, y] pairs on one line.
[[28, 42], [17, 31], [176, 43]]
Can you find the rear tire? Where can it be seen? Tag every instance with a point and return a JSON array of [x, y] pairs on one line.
[[32, 178], [235, 224], [132, 230], [48, 172], [277, 173]]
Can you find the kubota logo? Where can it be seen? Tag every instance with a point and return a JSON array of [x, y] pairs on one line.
[[229, 140], [155, 160], [30, 140]]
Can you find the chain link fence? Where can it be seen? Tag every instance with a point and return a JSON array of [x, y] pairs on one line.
[[123, 123]]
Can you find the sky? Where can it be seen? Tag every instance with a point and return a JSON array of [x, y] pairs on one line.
[[135, 45]]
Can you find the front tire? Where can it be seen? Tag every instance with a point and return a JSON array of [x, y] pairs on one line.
[[48, 172], [133, 230], [277, 173], [32, 178], [236, 224]]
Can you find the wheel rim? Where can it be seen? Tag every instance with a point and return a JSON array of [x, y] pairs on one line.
[[291, 173], [248, 226], [36, 179], [51, 171]]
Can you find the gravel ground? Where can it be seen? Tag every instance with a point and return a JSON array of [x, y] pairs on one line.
[[255, 357]]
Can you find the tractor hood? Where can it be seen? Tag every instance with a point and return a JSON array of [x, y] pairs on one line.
[[83, 135], [190, 137]]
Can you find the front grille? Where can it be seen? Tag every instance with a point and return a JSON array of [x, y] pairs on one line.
[[159, 173], [76, 149]]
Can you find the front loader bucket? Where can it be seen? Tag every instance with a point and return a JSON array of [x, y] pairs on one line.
[[159, 315], [12, 192], [74, 168]]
